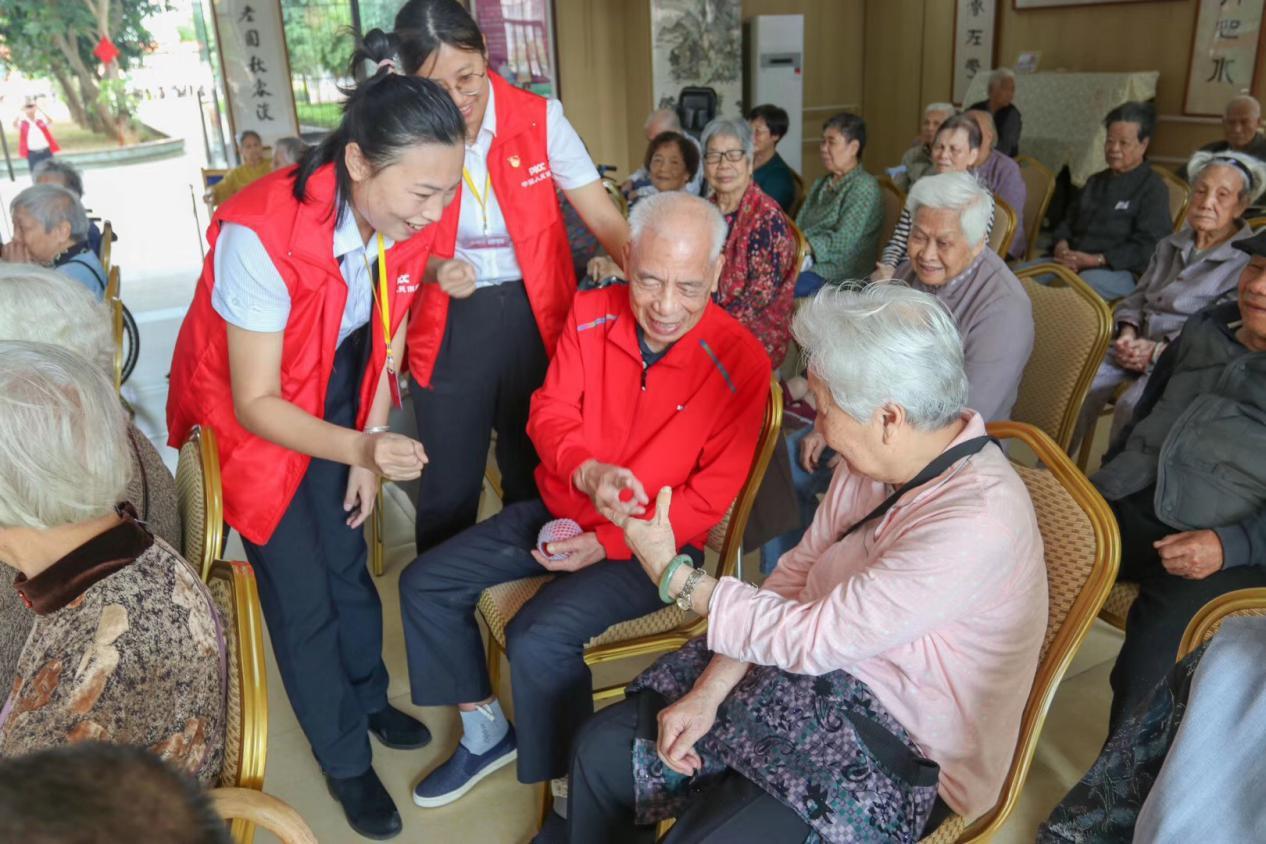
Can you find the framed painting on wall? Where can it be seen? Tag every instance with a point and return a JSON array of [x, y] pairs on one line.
[[1225, 50], [521, 42], [974, 27], [697, 43]]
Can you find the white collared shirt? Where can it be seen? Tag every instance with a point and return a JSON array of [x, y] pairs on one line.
[[250, 294], [569, 163]]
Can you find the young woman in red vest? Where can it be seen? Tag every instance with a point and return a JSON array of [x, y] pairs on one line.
[[289, 352], [485, 324], [35, 140]]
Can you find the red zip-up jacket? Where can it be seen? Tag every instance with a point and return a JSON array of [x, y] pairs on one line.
[[691, 421]]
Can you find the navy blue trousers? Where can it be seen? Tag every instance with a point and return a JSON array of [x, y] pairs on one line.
[[319, 601], [552, 686]]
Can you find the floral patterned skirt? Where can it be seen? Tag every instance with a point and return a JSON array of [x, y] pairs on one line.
[[823, 746]]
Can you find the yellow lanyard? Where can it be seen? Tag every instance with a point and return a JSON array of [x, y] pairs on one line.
[[384, 307], [482, 199]]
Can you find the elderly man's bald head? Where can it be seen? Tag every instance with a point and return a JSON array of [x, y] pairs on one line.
[[673, 262]]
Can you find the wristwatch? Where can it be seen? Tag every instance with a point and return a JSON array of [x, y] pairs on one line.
[[692, 580]]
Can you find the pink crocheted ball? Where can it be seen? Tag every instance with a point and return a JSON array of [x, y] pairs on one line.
[[557, 531]]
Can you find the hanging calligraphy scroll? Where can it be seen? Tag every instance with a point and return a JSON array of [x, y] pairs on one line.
[[973, 42], [1225, 46], [256, 68]]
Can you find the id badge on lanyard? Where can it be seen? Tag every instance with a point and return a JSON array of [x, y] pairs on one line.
[[384, 311], [486, 240]]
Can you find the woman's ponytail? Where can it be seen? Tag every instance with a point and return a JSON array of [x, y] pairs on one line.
[[385, 113]]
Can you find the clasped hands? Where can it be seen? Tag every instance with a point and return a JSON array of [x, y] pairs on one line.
[[1132, 352], [1074, 259]]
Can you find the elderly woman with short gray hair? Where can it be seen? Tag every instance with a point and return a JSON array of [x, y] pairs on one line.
[[844, 209], [758, 282], [50, 228], [896, 643], [1189, 270], [124, 643], [41, 305]]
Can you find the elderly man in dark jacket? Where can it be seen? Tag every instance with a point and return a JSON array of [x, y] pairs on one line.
[[1187, 480]]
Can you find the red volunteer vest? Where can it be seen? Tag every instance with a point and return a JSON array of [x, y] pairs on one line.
[[24, 131], [518, 165], [259, 478]]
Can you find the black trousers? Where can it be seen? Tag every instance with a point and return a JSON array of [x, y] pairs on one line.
[[553, 688], [37, 157], [319, 601], [1165, 605], [600, 793], [490, 362]]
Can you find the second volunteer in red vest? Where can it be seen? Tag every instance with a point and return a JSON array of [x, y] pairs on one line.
[[289, 353], [483, 330]]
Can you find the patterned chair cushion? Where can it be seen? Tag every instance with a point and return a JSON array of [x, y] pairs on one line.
[[1117, 608], [499, 604], [222, 593], [947, 832]]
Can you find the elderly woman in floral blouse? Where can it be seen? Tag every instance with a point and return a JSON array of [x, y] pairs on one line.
[[757, 284], [844, 210], [876, 680], [125, 644]]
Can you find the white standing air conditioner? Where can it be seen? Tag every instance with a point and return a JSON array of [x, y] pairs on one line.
[[775, 72]]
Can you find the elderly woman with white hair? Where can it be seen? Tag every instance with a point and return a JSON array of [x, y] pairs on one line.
[[1000, 103], [949, 259], [40, 305], [1189, 270], [895, 644], [50, 228], [758, 283], [124, 644]]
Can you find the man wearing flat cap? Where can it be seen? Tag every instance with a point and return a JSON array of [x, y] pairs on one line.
[[1187, 480]]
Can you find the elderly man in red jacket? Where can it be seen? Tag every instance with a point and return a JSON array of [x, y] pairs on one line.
[[652, 385]]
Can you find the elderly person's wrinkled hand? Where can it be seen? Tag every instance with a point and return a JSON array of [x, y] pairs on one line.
[[394, 456], [681, 725], [15, 251], [883, 272], [1138, 355], [456, 278], [615, 491], [601, 267], [579, 551], [811, 448], [1193, 554], [652, 541]]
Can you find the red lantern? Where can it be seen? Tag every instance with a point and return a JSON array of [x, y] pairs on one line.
[[105, 50]]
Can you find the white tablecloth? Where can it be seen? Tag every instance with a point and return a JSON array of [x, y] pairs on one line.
[[1063, 114]]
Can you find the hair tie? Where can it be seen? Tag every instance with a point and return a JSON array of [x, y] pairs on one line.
[[373, 67], [1238, 165]]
